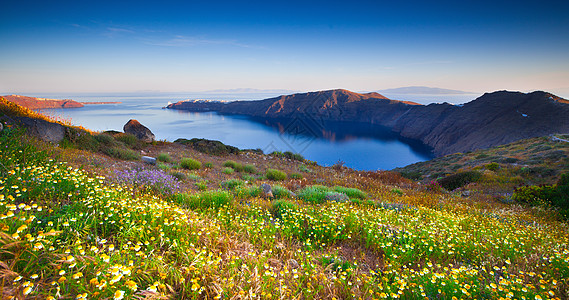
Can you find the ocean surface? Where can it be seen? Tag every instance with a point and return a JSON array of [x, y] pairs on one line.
[[359, 146]]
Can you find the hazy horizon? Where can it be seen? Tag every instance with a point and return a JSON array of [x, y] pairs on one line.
[[180, 46]]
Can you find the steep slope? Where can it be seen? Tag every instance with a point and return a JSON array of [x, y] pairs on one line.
[[37, 103], [490, 120]]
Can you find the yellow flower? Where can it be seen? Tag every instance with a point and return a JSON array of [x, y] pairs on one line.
[[27, 290], [118, 295], [131, 285]]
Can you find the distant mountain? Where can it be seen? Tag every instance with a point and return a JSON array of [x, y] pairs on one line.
[[490, 120], [38, 103], [423, 90]]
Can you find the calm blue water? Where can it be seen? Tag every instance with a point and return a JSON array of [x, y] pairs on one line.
[[360, 146]]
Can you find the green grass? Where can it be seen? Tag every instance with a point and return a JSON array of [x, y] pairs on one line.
[[228, 170], [204, 200]]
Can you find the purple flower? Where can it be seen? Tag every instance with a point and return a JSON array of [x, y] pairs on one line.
[[154, 180]]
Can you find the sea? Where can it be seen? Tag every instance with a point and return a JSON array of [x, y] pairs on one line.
[[355, 145]]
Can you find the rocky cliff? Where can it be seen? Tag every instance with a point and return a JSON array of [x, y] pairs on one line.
[[38, 103], [493, 119]]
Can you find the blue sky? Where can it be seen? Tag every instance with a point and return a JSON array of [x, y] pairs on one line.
[[175, 46]]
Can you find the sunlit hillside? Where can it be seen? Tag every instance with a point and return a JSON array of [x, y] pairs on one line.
[[80, 221]]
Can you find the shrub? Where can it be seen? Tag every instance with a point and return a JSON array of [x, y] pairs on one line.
[[492, 166], [411, 175], [203, 200], [281, 192], [397, 191], [164, 157], [121, 153], [336, 196], [296, 176], [279, 207], [105, 139], [248, 177], [289, 155], [313, 193], [460, 179], [351, 192], [128, 140], [276, 175], [304, 169], [190, 164], [250, 169], [234, 165], [231, 183], [208, 165], [228, 170], [181, 176], [202, 185]]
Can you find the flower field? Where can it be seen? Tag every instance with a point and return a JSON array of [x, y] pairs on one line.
[[68, 234]]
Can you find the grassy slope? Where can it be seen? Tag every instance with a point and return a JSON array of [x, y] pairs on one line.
[[525, 162], [65, 230]]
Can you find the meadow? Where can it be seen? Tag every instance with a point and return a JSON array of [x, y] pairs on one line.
[[326, 233]]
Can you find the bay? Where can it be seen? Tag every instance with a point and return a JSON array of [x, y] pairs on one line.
[[358, 146]]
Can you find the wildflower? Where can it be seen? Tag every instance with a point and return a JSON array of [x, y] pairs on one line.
[[28, 290], [118, 295], [131, 285]]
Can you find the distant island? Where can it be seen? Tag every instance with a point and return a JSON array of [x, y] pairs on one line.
[[493, 119], [423, 90], [40, 103]]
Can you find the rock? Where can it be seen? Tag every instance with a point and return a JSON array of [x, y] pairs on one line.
[[44, 130], [337, 197], [1, 127], [140, 131], [148, 160], [293, 264], [208, 146], [267, 190]]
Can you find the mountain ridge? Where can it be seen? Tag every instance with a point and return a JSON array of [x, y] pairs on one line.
[[492, 119]]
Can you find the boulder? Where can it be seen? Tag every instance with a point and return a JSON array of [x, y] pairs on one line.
[[148, 160], [267, 190], [140, 131], [44, 130]]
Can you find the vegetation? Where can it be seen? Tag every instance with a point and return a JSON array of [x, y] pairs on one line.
[[164, 157], [190, 164], [276, 175], [72, 234], [234, 165], [289, 155]]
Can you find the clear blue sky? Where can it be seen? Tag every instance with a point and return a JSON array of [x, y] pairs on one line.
[[170, 46]]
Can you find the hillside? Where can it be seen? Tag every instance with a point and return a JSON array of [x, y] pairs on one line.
[[490, 120], [86, 218], [39, 103]]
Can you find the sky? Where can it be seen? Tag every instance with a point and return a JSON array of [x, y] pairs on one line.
[[181, 46]]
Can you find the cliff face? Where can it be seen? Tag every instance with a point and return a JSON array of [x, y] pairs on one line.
[[490, 120], [38, 103]]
